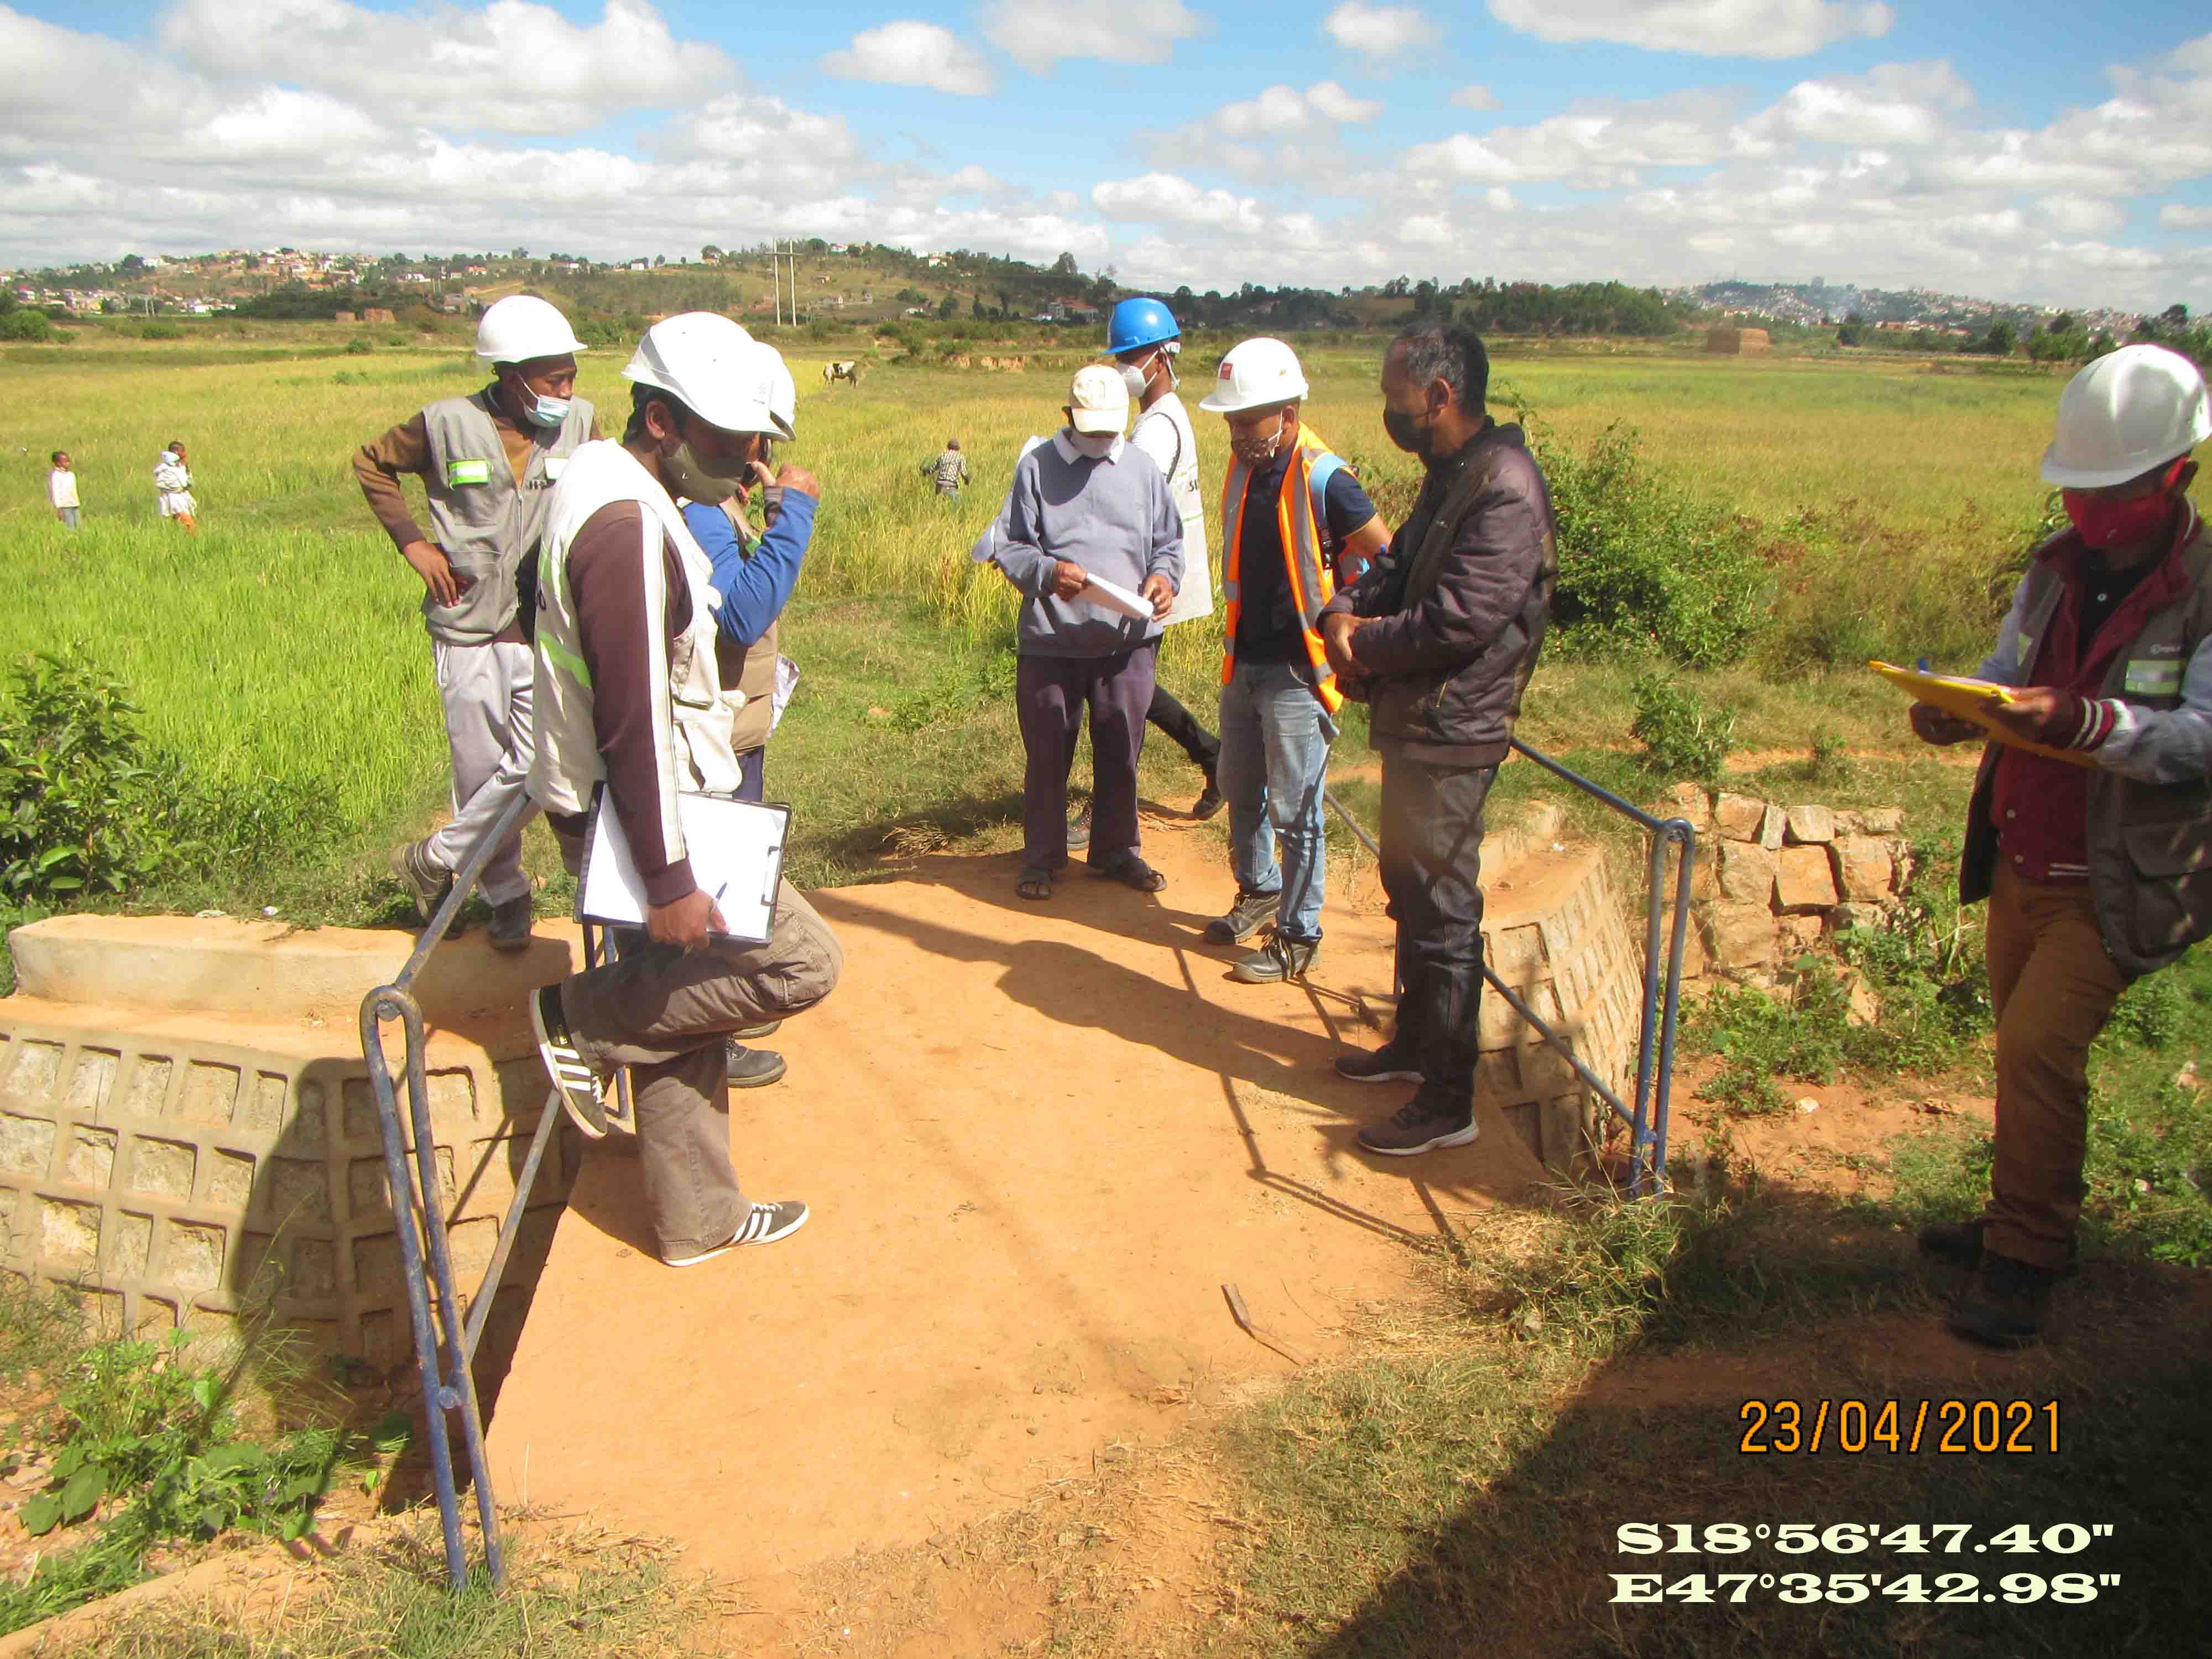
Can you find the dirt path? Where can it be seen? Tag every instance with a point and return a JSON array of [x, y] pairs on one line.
[[1037, 1140]]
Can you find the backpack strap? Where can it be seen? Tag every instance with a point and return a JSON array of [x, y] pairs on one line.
[[1325, 468]]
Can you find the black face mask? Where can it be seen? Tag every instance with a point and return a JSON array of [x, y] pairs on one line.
[[1419, 441]]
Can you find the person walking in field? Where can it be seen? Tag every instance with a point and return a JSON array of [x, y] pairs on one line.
[[630, 697], [1086, 503], [1296, 521], [1143, 337], [1441, 637], [173, 487], [2100, 872], [949, 471], [754, 575], [488, 463], [61, 489]]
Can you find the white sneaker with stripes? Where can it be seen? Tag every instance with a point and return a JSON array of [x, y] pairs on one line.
[[764, 1224], [581, 1094]]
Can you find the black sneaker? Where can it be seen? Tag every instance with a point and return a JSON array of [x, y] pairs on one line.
[[1959, 1244], [1385, 1065], [1210, 803], [1247, 914], [426, 880], [1419, 1126], [753, 1068], [764, 1223], [1079, 827], [1276, 963], [2008, 1305], [581, 1093], [510, 925]]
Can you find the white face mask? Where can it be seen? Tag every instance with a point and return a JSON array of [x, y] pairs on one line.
[[1097, 445]]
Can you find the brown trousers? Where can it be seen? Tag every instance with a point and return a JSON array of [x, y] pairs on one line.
[[666, 1016], [2053, 987]]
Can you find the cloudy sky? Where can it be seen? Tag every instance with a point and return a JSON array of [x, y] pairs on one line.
[[2038, 150]]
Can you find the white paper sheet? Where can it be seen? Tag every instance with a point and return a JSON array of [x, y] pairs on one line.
[[736, 849], [1112, 596]]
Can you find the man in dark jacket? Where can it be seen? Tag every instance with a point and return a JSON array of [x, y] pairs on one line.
[[1441, 637]]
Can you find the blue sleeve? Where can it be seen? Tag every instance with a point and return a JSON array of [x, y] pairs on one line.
[[1347, 504], [754, 591]]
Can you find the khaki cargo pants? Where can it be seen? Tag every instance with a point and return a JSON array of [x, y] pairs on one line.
[[666, 1016], [2053, 987]]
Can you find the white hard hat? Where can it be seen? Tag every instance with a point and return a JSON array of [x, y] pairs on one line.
[[782, 392], [1256, 374], [709, 365], [2124, 414], [1097, 401], [523, 327]]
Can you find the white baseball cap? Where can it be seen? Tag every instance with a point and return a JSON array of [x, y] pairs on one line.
[[1098, 400]]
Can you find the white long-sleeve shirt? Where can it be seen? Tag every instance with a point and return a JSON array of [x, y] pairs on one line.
[[61, 487]]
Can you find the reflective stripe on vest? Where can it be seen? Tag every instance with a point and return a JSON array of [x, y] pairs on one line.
[[1301, 517]]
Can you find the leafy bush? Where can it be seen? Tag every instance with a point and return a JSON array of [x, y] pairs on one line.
[[81, 812], [1680, 737], [1644, 564], [359, 346], [26, 323]]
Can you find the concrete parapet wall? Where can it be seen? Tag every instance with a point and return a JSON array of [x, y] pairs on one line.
[[184, 1166]]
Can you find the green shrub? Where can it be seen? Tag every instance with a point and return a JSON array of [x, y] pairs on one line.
[[359, 346], [1681, 738], [81, 812], [1644, 564], [26, 323]]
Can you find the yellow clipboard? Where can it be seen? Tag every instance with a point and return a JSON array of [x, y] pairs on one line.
[[1957, 694]]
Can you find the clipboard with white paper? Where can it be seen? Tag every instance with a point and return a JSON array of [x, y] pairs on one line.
[[736, 849]]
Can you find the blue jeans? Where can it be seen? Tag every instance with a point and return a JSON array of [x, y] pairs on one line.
[[1274, 758]]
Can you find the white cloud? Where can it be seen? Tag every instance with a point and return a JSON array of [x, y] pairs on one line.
[[971, 180], [1282, 109], [2079, 217], [511, 66], [912, 53], [1712, 29], [2178, 218], [1891, 104], [1036, 35], [1333, 103], [1597, 144], [1475, 96], [1381, 32], [1168, 198]]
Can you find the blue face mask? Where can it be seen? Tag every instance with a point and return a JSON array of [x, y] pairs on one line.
[[549, 412]]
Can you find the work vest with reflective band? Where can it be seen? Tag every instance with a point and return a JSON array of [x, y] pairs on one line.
[[1301, 516], [2148, 847], [486, 521], [696, 727]]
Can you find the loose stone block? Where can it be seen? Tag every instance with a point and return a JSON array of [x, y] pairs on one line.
[[1883, 821], [1738, 817], [1809, 825], [1746, 872], [1690, 803], [1801, 933], [1739, 935], [1771, 825], [1805, 880], [1864, 867]]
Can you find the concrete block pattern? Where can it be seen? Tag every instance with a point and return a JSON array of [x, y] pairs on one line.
[[196, 1168]]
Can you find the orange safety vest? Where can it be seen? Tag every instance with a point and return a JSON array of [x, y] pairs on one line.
[[1299, 516]]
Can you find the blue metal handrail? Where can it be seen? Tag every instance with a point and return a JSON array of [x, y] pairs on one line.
[[444, 1346], [1647, 1119]]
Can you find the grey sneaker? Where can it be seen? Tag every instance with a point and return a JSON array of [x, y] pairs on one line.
[[764, 1224], [581, 1093], [1079, 827], [1385, 1065], [753, 1068], [1248, 912], [426, 880], [1418, 1126], [1276, 963], [510, 925]]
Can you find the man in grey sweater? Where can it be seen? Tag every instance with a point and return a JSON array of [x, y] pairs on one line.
[[1086, 504]]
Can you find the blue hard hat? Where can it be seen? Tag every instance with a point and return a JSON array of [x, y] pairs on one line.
[[1139, 322]]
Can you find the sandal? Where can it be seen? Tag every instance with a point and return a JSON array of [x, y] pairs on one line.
[[1036, 883], [1132, 871]]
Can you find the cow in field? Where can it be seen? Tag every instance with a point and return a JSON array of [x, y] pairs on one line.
[[847, 372]]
